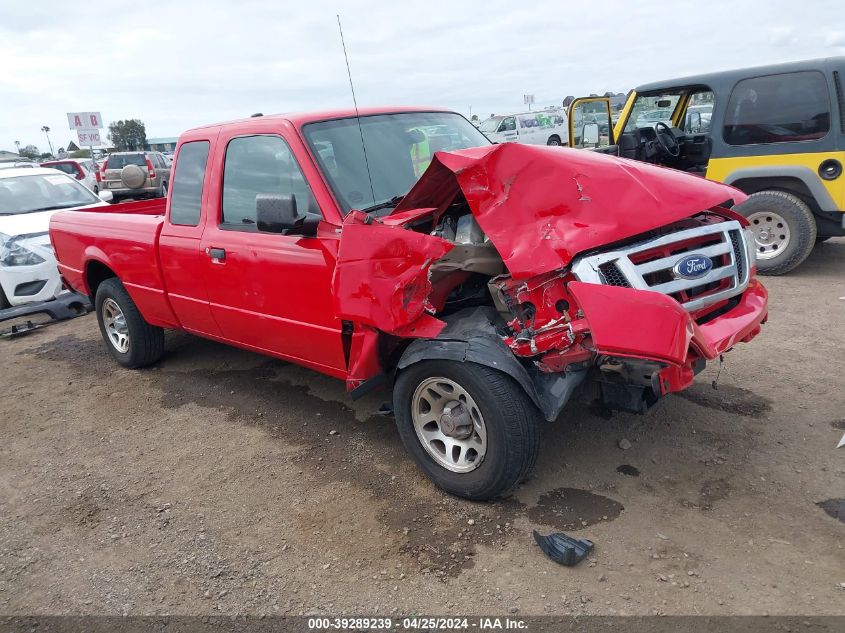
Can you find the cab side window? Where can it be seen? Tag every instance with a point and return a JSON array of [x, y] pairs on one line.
[[186, 188], [260, 165], [778, 108]]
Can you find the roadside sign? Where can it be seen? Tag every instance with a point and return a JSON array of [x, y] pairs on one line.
[[84, 120], [89, 137], [528, 99]]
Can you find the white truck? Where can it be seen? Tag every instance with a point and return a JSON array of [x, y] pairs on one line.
[[541, 127]]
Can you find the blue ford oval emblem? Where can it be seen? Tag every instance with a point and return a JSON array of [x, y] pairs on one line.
[[693, 267]]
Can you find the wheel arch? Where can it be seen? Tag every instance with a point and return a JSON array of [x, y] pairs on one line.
[[794, 179], [96, 272], [470, 337]]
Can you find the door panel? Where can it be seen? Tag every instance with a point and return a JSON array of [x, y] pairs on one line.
[[273, 292]]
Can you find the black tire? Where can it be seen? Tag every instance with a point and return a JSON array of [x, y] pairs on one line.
[[4, 302], [146, 342], [163, 190], [511, 419], [554, 140], [801, 223]]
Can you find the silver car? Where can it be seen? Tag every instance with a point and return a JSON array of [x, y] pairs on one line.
[[136, 174]]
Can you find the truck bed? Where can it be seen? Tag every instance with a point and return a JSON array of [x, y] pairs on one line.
[[154, 206], [121, 238]]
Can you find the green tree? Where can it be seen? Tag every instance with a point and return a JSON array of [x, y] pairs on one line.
[[30, 151], [81, 153], [127, 135]]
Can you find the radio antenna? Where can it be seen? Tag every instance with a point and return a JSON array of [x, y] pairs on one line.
[[357, 116]]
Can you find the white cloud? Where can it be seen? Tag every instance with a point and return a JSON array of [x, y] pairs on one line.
[[182, 63]]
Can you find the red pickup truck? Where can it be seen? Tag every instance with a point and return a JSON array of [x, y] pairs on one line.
[[485, 284]]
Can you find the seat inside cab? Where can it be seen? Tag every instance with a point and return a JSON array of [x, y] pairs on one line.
[[671, 128]]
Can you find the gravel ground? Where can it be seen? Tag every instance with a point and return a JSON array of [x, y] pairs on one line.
[[220, 481]]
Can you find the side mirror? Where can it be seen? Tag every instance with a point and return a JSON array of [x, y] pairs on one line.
[[106, 196], [276, 213], [590, 135], [694, 122]]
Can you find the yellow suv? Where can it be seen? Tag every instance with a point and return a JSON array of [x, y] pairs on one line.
[[775, 132]]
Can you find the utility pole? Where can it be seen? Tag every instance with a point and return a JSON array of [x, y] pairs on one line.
[[46, 130]]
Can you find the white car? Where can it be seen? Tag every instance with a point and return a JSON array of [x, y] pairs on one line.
[[28, 197], [83, 169], [541, 127]]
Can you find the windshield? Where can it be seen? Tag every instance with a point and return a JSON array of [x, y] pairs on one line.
[[491, 124], [40, 192], [399, 148], [648, 110]]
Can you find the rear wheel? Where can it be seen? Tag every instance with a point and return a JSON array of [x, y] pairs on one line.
[[131, 341], [784, 230], [554, 139], [471, 429], [163, 191]]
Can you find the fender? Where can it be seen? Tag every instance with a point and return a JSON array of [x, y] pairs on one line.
[[470, 336], [799, 172]]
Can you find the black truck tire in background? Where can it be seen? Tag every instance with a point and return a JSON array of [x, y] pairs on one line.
[[146, 342], [511, 420], [799, 219]]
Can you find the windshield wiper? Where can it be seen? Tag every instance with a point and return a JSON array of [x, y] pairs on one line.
[[383, 205]]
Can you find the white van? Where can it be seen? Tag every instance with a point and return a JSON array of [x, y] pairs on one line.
[[542, 127]]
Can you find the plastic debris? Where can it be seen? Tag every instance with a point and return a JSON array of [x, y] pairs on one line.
[[563, 549]]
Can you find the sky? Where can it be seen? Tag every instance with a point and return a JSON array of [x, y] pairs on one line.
[[183, 63]]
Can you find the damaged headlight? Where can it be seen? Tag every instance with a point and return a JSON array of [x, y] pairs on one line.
[[13, 253]]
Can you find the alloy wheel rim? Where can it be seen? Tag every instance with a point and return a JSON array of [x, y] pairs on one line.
[[115, 323], [771, 233], [449, 424]]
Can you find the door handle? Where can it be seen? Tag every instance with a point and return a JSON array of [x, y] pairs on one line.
[[216, 253]]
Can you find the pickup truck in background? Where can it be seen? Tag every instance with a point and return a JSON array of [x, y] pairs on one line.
[[485, 284]]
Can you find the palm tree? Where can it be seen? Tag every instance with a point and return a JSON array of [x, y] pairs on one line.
[[46, 130], [18, 146]]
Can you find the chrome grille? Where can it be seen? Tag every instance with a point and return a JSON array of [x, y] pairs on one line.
[[633, 267]]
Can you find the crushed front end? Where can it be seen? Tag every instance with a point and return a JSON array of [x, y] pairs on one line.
[[640, 326], [564, 269]]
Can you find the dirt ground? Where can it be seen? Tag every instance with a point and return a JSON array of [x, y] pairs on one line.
[[212, 483]]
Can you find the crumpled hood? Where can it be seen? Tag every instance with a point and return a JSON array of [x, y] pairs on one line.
[[540, 206]]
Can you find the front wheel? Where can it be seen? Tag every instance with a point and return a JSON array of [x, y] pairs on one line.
[[784, 230], [131, 341], [471, 429]]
